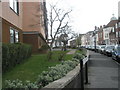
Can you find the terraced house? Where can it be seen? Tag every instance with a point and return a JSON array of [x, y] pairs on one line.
[[24, 22]]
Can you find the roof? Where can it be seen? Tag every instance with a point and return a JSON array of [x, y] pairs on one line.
[[112, 23]]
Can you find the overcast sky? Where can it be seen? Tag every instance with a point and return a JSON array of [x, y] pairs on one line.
[[87, 14]]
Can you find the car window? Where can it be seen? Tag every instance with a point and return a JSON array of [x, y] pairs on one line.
[[118, 49], [110, 47], [103, 47]]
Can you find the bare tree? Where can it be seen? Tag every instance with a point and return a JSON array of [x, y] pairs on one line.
[[57, 16], [66, 35]]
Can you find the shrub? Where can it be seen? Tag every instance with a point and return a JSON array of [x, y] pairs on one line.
[[5, 57], [79, 56], [54, 73], [61, 56], [49, 55], [13, 54], [19, 84], [44, 47]]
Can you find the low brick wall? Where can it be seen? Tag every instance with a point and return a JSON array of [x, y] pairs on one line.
[[71, 80]]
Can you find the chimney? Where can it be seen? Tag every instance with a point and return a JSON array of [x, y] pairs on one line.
[[95, 27], [101, 26], [104, 26]]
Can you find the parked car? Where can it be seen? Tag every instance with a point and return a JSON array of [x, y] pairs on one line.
[[92, 48], [101, 49], [116, 53], [97, 48], [108, 50]]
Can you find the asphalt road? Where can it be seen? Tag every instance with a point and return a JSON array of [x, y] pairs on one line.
[[103, 73]]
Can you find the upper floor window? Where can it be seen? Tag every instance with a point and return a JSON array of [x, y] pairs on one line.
[[116, 34], [14, 35], [113, 30], [106, 35], [119, 34], [14, 5], [116, 25], [119, 24], [41, 4]]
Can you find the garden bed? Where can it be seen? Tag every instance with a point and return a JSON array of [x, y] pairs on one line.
[[33, 67]]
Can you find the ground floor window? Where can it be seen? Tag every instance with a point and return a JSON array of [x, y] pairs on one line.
[[14, 35]]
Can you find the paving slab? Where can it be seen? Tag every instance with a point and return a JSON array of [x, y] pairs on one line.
[[103, 72]]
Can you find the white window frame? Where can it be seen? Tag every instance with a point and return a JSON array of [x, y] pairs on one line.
[[116, 25], [15, 37], [14, 5], [116, 34], [11, 35]]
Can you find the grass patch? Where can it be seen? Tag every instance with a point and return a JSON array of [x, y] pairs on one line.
[[69, 57], [30, 69]]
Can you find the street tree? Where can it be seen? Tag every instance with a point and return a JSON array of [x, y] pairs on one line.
[[57, 21], [66, 34]]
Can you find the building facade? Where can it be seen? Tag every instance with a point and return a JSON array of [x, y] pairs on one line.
[[118, 25], [100, 36], [24, 22], [34, 31], [11, 22], [83, 40]]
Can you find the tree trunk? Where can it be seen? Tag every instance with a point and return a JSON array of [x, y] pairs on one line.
[[50, 52], [64, 46]]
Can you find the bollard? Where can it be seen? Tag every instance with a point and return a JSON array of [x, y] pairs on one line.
[[86, 73], [81, 73]]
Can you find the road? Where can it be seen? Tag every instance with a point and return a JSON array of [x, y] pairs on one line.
[[103, 72]]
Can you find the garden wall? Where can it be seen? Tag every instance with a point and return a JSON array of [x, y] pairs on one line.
[[71, 80]]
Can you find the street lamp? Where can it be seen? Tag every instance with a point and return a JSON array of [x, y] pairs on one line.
[[95, 37], [118, 30]]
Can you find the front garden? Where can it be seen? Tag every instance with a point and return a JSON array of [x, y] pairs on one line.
[[37, 71]]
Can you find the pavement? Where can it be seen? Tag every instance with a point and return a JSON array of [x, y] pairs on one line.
[[72, 51], [103, 72]]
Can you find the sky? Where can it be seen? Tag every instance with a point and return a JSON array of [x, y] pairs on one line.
[[86, 14]]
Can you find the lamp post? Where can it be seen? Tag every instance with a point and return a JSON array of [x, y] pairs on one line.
[[95, 42], [118, 27], [95, 38]]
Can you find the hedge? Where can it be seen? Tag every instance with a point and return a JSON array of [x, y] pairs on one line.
[[13, 54], [54, 73]]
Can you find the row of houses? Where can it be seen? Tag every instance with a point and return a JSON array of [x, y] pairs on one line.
[[108, 34], [24, 22], [104, 35]]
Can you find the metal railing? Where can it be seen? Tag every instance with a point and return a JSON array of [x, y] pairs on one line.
[[84, 68]]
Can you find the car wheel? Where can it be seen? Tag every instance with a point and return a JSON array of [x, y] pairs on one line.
[[116, 58], [112, 57]]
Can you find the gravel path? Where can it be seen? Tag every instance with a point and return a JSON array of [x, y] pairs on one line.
[[72, 51]]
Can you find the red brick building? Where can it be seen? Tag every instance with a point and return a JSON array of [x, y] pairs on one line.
[[11, 22], [100, 35], [113, 34], [24, 22]]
